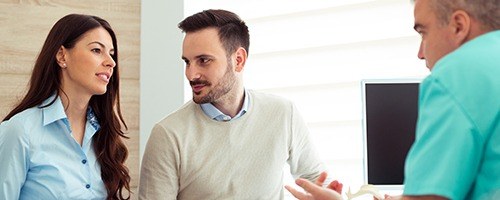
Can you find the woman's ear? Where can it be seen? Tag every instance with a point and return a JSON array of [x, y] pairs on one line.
[[61, 57], [460, 23], [241, 58]]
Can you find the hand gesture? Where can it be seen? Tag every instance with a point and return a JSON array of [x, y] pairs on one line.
[[315, 191]]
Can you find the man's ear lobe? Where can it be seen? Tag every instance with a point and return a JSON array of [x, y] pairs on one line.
[[460, 22], [241, 58]]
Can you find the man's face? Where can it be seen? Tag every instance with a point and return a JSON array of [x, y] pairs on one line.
[[436, 36], [208, 70]]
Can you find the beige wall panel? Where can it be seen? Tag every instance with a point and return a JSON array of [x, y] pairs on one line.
[[124, 6], [12, 87], [129, 112], [31, 24], [128, 61], [24, 26], [129, 92], [9, 1], [133, 159]]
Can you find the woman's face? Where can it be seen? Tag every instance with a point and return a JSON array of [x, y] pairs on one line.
[[88, 66]]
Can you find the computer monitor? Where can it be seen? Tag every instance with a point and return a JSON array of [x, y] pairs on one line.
[[390, 110]]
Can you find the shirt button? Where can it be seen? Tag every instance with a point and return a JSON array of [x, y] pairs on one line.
[[87, 186], [84, 161]]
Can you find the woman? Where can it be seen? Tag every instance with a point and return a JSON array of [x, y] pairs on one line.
[[64, 139]]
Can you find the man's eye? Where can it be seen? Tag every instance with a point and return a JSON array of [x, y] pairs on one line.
[[204, 60]]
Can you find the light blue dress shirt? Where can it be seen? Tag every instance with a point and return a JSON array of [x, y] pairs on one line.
[[40, 159], [211, 111]]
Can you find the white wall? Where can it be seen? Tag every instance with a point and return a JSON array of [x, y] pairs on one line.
[[162, 70]]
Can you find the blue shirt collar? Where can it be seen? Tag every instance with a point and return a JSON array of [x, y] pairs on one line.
[[92, 119], [55, 112], [211, 111]]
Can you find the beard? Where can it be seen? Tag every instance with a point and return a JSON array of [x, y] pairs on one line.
[[226, 83]]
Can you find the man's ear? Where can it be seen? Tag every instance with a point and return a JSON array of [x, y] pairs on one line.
[[61, 57], [460, 23], [241, 58]]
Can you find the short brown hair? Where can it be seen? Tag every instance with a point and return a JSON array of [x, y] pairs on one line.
[[233, 32]]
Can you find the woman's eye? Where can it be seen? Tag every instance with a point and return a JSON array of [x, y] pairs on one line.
[[96, 50]]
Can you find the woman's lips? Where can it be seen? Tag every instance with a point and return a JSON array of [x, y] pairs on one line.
[[103, 76]]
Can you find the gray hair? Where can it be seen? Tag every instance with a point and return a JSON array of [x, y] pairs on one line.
[[487, 12]]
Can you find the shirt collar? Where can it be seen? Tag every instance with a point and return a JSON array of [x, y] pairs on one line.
[[211, 111], [92, 119], [55, 111]]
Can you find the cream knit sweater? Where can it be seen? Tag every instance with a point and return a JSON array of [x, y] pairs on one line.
[[190, 156]]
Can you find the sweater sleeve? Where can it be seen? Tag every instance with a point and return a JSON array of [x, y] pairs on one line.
[[159, 177], [303, 158]]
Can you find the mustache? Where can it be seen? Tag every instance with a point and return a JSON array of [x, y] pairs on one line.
[[197, 82]]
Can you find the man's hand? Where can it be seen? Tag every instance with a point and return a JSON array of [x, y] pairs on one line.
[[334, 185], [315, 191]]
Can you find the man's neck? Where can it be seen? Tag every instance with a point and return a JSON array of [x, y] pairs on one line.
[[477, 29], [232, 102]]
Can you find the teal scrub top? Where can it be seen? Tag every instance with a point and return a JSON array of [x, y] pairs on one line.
[[456, 153]]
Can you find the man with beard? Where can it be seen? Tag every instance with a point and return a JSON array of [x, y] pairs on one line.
[[229, 142]]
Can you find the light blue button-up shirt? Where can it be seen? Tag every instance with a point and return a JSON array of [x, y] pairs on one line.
[[211, 111], [40, 159]]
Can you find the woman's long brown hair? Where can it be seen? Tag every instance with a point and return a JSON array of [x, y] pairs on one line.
[[46, 80]]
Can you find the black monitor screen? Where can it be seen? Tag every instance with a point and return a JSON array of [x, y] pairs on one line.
[[391, 116]]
